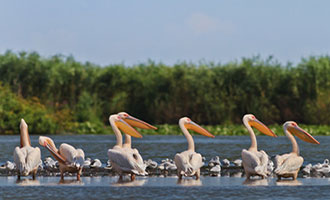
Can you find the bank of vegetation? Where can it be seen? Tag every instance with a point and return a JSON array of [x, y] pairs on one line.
[[60, 95]]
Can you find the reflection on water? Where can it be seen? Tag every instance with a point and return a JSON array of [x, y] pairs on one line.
[[129, 183], [288, 182], [27, 182], [256, 182], [70, 182], [189, 182]]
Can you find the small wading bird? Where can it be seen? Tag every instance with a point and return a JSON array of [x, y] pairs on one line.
[[123, 158], [26, 158], [254, 161], [288, 165], [189, 162], [69, 159]]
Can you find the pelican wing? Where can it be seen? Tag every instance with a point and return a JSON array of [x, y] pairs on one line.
[[70, 154], [19, 157], [289, 165], [126, 161], [279, 159], [33, 157], [188, 162], [255, 162], [27, 158]]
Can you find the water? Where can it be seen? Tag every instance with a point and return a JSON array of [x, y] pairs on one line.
[[158, 148]]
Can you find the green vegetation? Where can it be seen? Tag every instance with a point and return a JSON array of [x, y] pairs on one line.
[[60, 95], [235, 130]]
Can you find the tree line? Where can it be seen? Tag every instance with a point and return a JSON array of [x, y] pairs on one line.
[[59, 94]]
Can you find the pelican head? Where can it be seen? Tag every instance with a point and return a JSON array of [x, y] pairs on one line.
[[135, 122], [293, 128], [117, 121], [190, 125], [252, 121]]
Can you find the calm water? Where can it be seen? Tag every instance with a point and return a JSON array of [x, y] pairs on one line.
[[157, 148]]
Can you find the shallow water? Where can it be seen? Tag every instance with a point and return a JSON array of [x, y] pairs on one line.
[[163, 188], [158, 148]]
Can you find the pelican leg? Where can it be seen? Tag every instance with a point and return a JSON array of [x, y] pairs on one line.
[[78, 174], [198, 174], [18, 175], [295, 175], [62, 176], [132, 177], [279, 177], [179, 174], [34, 174]]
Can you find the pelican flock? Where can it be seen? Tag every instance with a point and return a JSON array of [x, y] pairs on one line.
[[288, 165], [26, 157], [189, 162], [126, 160], [69, 158], [255, 162]]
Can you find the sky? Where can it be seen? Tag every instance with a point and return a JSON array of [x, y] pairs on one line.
[[131, 32]]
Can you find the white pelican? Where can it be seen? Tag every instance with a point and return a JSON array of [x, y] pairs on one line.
[[254, 161], [26, 158], [125, 160], [70, 159], [189, 162], [288, 165]]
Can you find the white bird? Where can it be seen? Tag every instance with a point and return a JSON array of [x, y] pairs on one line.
[[26, 157], [189, 162], [214, 161], [96, 163], [238, 162], [134, 122], [226, 162], [254, 161], [69, 159], [288, 165], [125, 160]]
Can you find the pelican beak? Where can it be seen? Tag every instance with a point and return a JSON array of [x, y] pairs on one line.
[[50, 146], [195, 127], [124, 126], [138, 123], [262, 127], [303, 135]]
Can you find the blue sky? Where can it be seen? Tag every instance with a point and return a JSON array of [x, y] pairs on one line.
[[131, 32]]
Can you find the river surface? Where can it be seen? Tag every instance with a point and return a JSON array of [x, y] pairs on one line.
[[158, 148]]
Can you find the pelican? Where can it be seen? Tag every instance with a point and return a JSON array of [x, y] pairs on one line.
[[126, 160], [254, 161], [26, 158], [189, 162], [69, 159], [288, 165]]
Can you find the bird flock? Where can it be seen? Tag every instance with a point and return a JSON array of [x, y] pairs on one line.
[[125, 161]]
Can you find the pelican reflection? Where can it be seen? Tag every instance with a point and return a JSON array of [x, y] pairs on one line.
[[28, 182], [189, 182], [256, 182], [288, 182], [129, 183]]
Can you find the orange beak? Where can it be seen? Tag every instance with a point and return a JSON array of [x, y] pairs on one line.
[[138, 123], [124, 126], [262, 128], [195, 127], [303, 135]]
